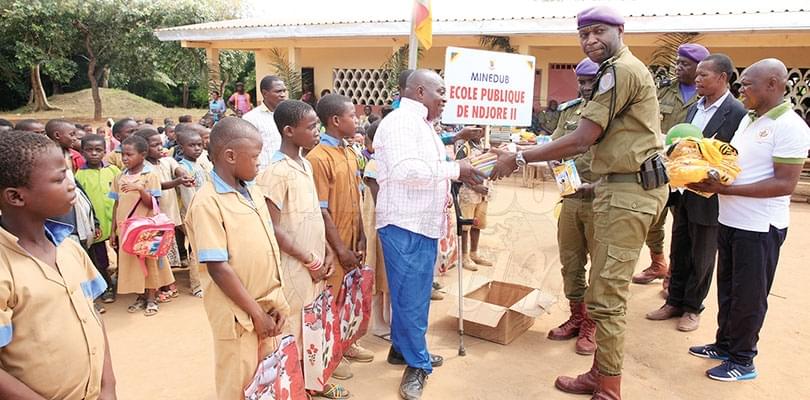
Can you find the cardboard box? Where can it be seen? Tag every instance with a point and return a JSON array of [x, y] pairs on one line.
[[500, 311]]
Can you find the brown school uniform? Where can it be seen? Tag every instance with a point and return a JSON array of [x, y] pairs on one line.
[[337, 180], [225, 225], [130, 275], [51, 338]]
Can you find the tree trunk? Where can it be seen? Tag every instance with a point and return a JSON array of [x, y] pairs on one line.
[[185, 94], [91, 68], [40, 102]]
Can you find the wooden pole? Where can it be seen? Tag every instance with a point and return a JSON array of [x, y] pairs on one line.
[[413, 44]]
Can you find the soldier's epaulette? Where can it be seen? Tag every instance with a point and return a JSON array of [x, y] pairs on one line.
[[664, 83], [570, 103]]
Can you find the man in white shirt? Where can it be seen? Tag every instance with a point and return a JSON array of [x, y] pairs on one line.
[[754, 213], [694, 228], [414, 177], [274, 91]]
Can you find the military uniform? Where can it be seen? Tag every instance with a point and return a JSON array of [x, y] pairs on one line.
[[575, 225], [548, 120], [624, 105], [673, 112]]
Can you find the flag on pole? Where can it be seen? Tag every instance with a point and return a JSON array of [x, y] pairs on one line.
[[423, 23]]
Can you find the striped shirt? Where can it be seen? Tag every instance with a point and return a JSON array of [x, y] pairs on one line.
[[413, 172]]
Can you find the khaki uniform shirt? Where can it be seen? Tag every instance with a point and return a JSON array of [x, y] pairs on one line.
[[225, 225], [549, 120], [114, 157], [289, 185], [673, 108], [51, 338], [626, 107], [569, 120]]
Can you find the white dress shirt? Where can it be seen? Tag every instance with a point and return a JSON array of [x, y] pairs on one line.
[[262, 118], [705, 113], [414, 172]]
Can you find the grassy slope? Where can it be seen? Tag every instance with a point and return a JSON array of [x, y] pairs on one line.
[[78, 106]]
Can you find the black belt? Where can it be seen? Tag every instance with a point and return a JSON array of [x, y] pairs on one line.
[[633, 177], [581, 194]]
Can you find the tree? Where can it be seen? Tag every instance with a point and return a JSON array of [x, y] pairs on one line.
[[43, 42], [116, 36], [394, 66]]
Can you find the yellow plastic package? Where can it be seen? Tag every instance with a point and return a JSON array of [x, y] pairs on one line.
[[692, 160]]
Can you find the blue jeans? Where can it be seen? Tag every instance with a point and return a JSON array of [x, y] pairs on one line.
[[409, 262]]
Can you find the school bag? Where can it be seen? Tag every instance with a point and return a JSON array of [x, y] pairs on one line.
[[147, 236]]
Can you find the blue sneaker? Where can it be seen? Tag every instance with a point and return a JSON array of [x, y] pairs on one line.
[[708, 351], [729, 371]]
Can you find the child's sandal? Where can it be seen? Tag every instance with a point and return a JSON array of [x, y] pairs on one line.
[[163, 297], [138, 305], [332, 391], [198, 292], [151, 309], [173, 290]]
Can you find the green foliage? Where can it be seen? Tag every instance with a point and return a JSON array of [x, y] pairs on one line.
[[120, 34], [287, 71], [39, 33], [394, 66], [497, 43]]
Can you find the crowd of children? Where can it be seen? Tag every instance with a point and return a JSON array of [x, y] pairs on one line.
[[267, 249]]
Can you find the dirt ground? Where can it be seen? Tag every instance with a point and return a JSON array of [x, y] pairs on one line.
[[169, 356]]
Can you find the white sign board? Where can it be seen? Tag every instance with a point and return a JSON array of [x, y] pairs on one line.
[[488, 88]]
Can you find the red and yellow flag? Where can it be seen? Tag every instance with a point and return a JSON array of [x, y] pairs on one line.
[[423, 23]]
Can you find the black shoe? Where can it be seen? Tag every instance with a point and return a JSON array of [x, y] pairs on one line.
[[413, 383], [395, 358]]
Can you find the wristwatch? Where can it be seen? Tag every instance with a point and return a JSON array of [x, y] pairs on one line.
[[519, 160]]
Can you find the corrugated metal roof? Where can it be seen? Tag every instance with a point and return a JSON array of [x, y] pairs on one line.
[[374, 18]]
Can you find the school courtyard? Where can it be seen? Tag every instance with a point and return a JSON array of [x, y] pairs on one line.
[[170, 355]]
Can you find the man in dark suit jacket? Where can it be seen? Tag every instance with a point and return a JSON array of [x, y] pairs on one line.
[[694, 231]]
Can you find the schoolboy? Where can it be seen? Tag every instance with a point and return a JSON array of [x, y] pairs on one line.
[[121, 130], [231, 232], [337, 179], [192, 145], [46, 280], [97, 177], [292, 200]]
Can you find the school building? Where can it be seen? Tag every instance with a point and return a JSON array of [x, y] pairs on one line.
[[343, 48]]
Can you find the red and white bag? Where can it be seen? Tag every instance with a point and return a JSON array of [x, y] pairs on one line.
[[278, 375], [354, 305], [147, 236], [321, 338]]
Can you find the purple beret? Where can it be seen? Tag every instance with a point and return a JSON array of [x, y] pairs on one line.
[[586, 67], [599, 15], [693, 51]]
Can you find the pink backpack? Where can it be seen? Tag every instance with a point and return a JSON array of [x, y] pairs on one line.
[[147, 236]]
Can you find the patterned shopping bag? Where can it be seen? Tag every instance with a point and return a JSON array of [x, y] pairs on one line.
[[278, 376], [448, 245], [354, 305], [321, 333]]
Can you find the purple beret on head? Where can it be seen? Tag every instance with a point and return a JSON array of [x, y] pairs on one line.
[[586, 67], [599, 15], [693, 51]]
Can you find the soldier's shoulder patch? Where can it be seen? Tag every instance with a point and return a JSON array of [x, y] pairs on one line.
[[570, 103], [606, 82]]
